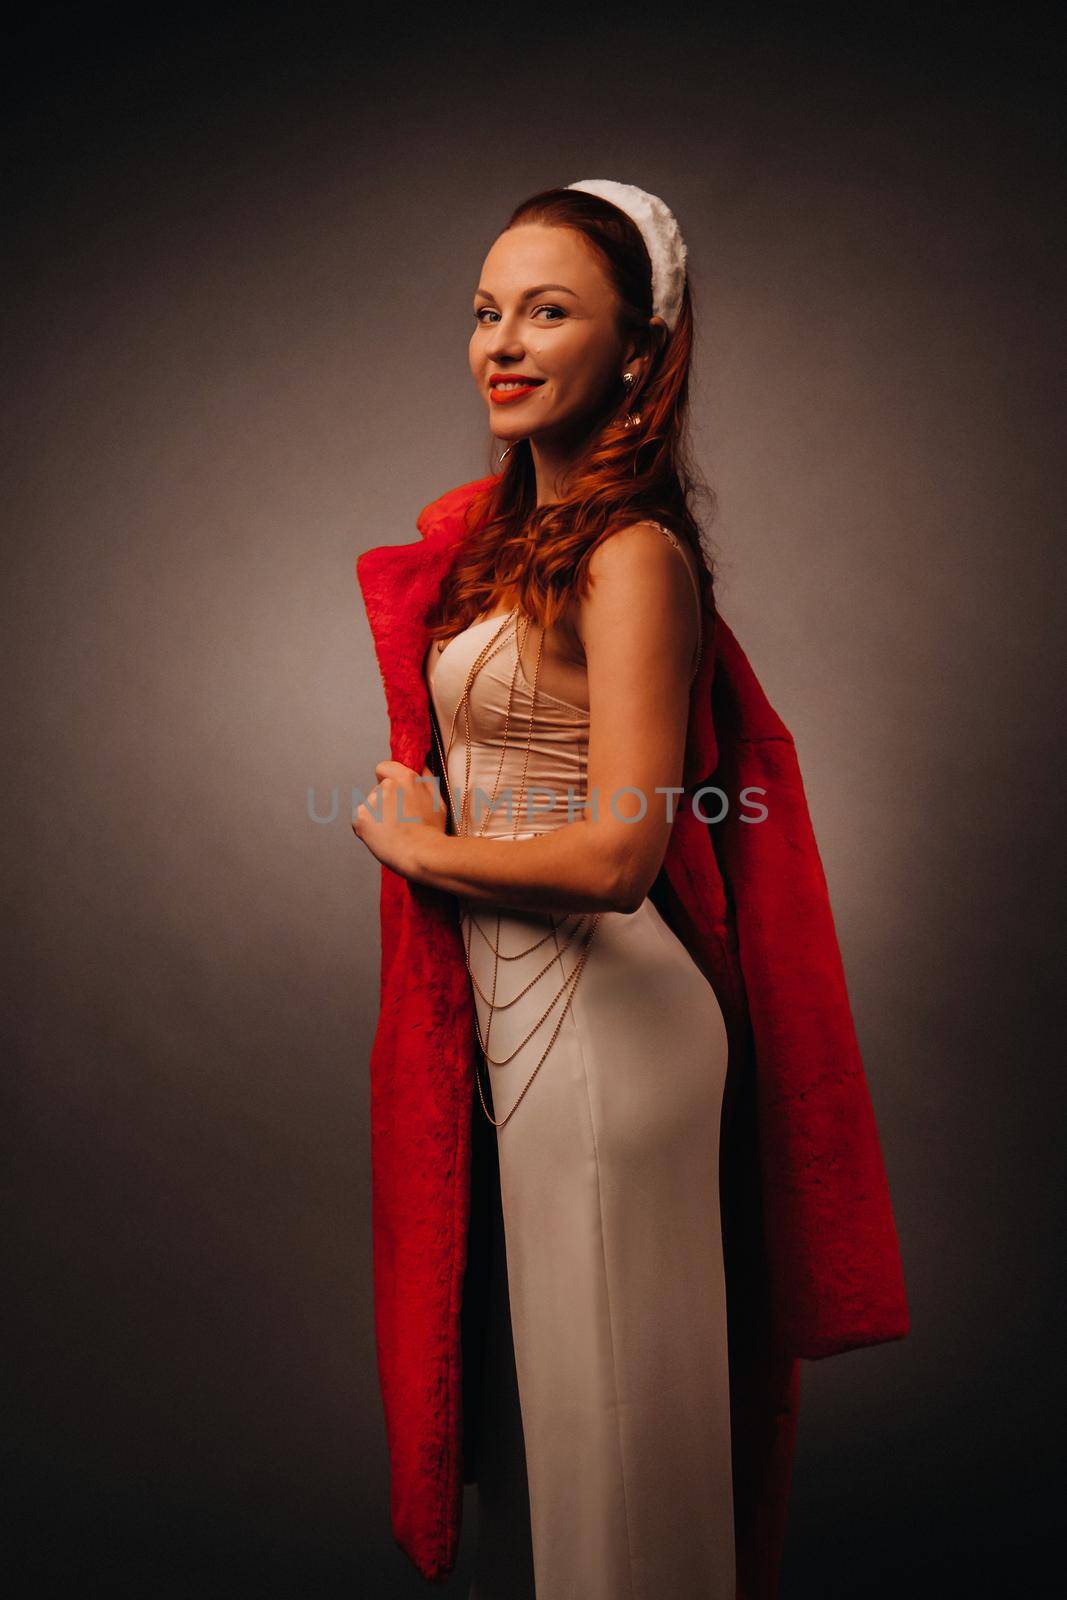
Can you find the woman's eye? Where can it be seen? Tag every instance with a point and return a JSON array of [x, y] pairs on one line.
[[482, 311]]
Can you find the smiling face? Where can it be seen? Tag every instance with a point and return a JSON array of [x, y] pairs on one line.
[[546, 310]]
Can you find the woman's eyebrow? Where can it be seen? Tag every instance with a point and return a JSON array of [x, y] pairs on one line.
[[538, 289]]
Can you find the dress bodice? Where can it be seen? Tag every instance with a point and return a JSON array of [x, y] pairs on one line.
[[535, 792], [556, 732]]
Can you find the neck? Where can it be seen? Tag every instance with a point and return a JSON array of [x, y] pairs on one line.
[[554, 459]]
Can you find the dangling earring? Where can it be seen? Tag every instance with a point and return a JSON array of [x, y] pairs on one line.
[[503, 453], [633, 418]]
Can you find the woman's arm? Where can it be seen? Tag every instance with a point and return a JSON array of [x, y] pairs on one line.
[[639, 631]]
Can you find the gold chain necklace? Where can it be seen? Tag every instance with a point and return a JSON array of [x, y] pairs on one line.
[[571, 980]]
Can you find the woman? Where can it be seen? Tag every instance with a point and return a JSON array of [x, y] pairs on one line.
[[561, 664]]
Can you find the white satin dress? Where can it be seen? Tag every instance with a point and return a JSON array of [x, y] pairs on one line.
[[604, 1457]]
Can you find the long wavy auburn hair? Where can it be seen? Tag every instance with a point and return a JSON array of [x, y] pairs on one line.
[[541, 554]]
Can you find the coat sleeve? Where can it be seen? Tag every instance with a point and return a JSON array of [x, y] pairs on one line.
[[833, 1254]]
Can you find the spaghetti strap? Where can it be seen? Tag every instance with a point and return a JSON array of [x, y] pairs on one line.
[[677, 543]]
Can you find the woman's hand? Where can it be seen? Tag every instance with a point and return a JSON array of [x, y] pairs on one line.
[[410, 806]]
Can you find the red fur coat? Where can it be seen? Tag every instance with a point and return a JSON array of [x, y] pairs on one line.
[[812, 1259]]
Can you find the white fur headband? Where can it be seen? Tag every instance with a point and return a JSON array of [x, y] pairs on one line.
[[661, 234]]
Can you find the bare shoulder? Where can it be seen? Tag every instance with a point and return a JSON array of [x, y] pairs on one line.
[[640, 595], [640, 556], [632, 537]]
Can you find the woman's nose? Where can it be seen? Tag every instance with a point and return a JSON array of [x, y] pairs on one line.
[[504, 342]]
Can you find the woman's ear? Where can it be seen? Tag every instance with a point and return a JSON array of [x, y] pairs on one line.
[[650, 345], [659, 333]]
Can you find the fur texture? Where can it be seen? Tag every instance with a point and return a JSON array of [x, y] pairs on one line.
[[661, 233], [812, 1259]]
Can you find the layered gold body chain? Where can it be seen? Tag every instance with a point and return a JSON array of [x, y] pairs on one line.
[[499, 640]]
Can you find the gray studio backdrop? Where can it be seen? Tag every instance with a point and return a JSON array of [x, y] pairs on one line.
[[235, 355]]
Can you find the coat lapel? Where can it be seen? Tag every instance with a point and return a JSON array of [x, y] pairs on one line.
[[400, 584]]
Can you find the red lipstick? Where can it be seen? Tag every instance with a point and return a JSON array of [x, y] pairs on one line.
[[501, 396]]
